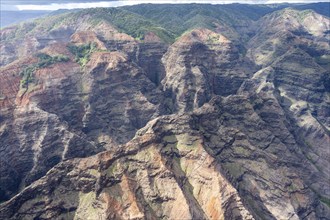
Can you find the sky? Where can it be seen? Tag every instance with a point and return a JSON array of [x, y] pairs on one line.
[[72, 4]]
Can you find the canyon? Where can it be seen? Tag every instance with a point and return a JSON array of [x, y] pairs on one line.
[[138, 112]]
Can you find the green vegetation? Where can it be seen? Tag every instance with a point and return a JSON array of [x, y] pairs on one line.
[[166, 21], [302, 15], [129, 22], [322, 8], [256, 102], [27, 75], [323, 60], [44, 60], [179, 18], [169, 21], [326, 81], [2, 96], [82, 53], [323, 199], [234, 169]]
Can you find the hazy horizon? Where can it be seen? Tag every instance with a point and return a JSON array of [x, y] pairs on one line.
[[21, 5]]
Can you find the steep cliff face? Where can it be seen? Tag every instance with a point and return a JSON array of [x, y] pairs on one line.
[[156, 175], [77, 108], [201, 64], [297, 80], [288, 28], [189, 166], [100, 119]]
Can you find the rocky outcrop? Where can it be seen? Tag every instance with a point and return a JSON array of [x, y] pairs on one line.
[[66, 113], [182, 161], [153, 176], [199, 65], [285, 29]]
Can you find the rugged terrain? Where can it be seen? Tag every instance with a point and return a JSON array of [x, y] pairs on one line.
[[142, 113]]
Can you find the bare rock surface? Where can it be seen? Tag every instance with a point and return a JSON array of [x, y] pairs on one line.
[[100, 122]]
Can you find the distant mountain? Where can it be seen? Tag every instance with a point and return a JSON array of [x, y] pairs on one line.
[[13, 17], [43, 2], [322, 8], [167, 112]]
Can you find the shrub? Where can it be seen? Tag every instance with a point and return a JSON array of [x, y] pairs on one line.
[[44, 60], [82, 52]]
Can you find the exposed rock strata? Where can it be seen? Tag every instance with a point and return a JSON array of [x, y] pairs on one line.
[[198, 129]]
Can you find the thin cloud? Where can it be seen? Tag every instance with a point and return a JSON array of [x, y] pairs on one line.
[[56, 6], [95, 4]]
